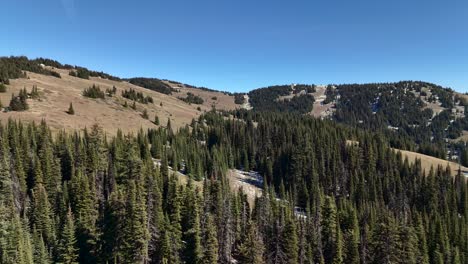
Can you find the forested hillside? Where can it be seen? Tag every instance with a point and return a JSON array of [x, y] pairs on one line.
[[91, 199], [332, 189], [416, 116]]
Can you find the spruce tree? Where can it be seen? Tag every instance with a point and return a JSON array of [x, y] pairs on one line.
[[67, 246], [145, 114], [210, 254], [331, 238], [3, 88], [71, 111], [41, 215], [156, 120], [251, 249], [41, 256]]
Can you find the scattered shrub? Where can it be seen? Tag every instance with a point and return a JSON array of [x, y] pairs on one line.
[[94, 92], [71, 111]]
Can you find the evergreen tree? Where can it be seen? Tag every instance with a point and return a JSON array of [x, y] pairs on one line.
[[134, 234], [3, 88], [41, 256], [331, 234], [145, 114], [210, 254], [251, 249], [67, 247], [71, 111], [156, 120]]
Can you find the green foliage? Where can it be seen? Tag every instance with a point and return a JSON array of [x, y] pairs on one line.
[[137, 96], [19, 103], [3, 88], [192, 99], [268, 99], [82, 73], [94, 92], [210, 255], [239, 98], [87, 198], [152, 84], [34, 92], [14, 67], [67, 246], [331, 94], [145, 114], [71, 111], [156, 120]]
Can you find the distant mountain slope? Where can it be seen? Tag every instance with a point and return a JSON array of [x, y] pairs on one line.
[[415, 109]]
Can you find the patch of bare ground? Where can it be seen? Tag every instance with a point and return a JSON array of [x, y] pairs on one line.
[[251, 183], [320, 109]]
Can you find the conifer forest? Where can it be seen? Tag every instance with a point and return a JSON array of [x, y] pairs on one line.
[[331, 194]]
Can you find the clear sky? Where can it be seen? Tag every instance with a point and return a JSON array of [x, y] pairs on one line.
[[238, 45]]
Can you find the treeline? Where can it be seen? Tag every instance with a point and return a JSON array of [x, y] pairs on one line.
[[152, 84], [137, 96], [197, 87], [84, 73], [14, 67], [91, 199]]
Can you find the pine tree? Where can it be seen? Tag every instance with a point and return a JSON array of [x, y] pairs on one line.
[[290, 241], [384, 247], [156, 120], [19, 103], [135, 234], [3, 88], [41, 215], [67, 246], [251, 249], [41, 256], [83, 206], [331, 237], [210, 255], [71, 111], [145, 114], [191, 226]]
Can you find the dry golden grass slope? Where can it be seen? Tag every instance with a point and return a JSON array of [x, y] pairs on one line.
[[57, 94], [428, 161]]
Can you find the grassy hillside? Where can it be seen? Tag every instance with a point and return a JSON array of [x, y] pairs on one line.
[[56, 94]]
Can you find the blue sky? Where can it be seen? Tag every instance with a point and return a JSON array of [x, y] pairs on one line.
[[238, 45]]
